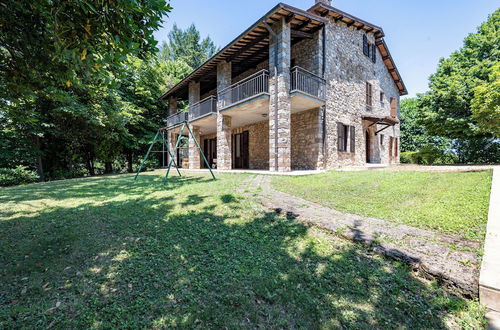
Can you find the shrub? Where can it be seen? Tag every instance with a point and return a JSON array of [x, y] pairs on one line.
[[428, 155], [407, 157], [16, 176]]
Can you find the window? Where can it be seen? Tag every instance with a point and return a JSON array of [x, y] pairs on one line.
[[394, 107], [346, 138], [366, 47], [352, 136], [391, 140], [381, 140], [368, 96], [382, 97], [369, 49]]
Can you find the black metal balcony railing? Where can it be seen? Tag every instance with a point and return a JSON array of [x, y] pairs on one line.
[[256, 84], [203, 108], [176, 119], [307, 82]]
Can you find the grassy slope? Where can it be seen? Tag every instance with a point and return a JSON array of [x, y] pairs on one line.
[[452, 203], [108, 252]]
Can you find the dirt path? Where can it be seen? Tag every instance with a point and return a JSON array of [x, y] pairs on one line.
[[448, 259]]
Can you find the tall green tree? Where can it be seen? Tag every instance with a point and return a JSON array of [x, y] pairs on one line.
[[460, 104], [187, 45], [50, 50], [414, 135]]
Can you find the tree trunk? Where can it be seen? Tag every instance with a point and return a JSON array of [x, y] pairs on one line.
[[130, 160], [108, 167], [39, 160], [89, 164]]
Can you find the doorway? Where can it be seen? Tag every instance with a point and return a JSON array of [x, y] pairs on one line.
[[210, 151], [368, 146], [240, 150]]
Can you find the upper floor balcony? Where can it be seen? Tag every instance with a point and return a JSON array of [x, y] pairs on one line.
[[204, 108], [308, 83], [248, 89], [176, 119]]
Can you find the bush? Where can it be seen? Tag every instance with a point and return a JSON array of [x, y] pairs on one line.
[[407, 157], [428, 155], [16, 176]]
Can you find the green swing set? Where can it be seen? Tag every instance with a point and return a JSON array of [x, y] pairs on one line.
[[161, 134]]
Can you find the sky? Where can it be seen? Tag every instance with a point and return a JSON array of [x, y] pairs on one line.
[[418, 32]]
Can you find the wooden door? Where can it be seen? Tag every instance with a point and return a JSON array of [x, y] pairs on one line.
[[210, 151], [367, 147], [240, 150]]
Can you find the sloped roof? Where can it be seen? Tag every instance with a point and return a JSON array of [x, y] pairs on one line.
[[251, 47], [324, 10]]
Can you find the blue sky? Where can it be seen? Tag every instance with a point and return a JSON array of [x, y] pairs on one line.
[[418, 32]]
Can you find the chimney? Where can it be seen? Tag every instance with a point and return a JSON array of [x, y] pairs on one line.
[[325, 2]]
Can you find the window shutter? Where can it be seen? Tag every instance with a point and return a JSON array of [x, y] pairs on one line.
[[340, 137], [374, 53], [394, 107], [366, 50], [368, 95], [352, 135]]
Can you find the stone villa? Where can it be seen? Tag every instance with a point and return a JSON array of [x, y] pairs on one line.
[[299, 89]]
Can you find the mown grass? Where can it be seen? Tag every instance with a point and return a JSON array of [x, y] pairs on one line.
[[451, 203], [112, 253]]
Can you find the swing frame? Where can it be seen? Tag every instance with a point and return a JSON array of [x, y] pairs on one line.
[[172, 152]]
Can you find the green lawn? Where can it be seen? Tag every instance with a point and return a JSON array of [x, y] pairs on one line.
[[107, 252], [452, 203]]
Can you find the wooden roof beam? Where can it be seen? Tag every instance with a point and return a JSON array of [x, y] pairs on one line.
[[301, 34]]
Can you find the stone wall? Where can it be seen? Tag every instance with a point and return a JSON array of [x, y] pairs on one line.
[[279, 101], [262, 65], [258, 144], [347, 71], [308, 54], [306, 140]]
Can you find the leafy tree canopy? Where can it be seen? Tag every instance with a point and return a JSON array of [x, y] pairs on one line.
[[463, 99], [414, 135], [187, 45], [58, 43]]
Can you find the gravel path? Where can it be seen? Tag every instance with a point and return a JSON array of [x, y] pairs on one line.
[[450, 260]]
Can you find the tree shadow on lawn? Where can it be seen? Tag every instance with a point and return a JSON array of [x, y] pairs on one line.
[[138, 264], [102, 187]]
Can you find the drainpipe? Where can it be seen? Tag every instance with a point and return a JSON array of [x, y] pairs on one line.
[[275, 36], [324, 107]]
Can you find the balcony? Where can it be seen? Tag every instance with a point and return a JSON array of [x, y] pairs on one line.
[[203, 114], [176, 119], [203, 108], [307, 90], [245, 90]]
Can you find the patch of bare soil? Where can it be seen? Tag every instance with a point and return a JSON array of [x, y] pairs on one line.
[[450, 260]]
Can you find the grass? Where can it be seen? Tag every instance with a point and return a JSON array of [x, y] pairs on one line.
[[110, 253], [451, 203]]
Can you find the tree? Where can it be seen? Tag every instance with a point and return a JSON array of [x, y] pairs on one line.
[[50, 50], [414, 136], [464, 76], [485, 106], [187, 46]]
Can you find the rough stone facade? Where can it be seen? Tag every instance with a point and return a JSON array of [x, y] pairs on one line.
[[279, 101], [307, 153], [309, 139], [347, 71], [224, 142], [308, 54], [194, 152], [172, 106], [194, 92], [258, 149]]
